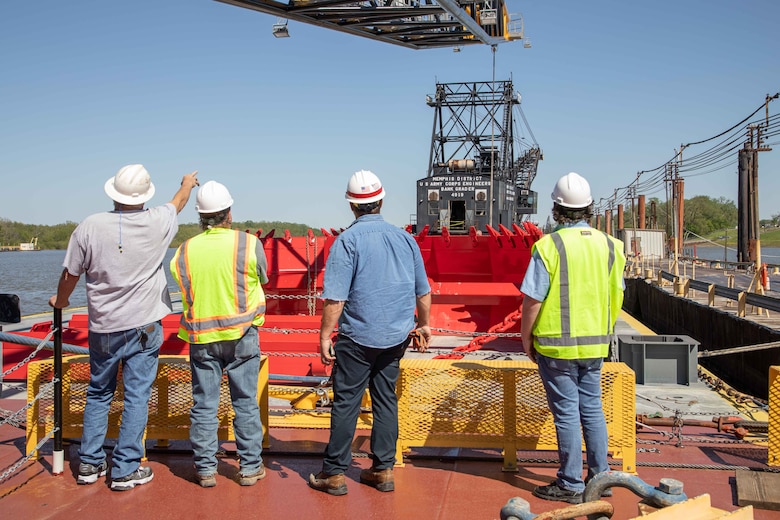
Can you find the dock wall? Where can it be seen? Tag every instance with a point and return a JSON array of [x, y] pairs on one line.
[[715, 329]]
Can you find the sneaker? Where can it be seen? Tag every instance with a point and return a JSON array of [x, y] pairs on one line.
[[206, 481], [88, 474], [554, 492], [251, 480], [330, 484], [140, 476], [381, 479]]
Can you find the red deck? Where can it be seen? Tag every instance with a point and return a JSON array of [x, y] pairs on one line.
[[433, 484]]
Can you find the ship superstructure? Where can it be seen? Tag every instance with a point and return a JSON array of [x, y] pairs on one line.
[[481, 167]]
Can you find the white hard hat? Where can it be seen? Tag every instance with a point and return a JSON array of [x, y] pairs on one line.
[[572, 191], [213, 197], [131, 185], [364, 187]]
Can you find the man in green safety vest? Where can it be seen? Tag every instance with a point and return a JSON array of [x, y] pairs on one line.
[[573, 292], [219, 272]]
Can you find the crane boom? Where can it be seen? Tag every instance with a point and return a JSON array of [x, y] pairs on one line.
[[410, 23]]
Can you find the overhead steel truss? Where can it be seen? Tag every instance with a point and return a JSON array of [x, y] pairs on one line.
[[476, 120], [416, 24]]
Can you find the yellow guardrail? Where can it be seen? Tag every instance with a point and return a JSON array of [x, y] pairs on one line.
[[442, 403], [773, 458], [501, 404], [169, 404]]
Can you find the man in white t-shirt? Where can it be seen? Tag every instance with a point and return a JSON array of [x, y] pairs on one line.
[[121, 252]]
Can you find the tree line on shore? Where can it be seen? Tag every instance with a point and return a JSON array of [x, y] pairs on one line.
[[57, 236], [704, 216]]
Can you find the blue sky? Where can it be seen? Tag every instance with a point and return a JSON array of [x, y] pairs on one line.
[[609, 89]]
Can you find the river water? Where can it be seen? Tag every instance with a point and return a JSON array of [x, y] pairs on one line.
[[33, 277], [769, 255]]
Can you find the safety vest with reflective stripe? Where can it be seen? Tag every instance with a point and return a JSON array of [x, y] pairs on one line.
[[586, 293], [221, 292]]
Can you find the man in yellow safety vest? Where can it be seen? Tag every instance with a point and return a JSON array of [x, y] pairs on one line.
[[573, 292], [220, 273]]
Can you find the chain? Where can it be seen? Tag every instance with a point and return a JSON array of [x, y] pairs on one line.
[[320, 390], [719, 385], [700, 440], [677, 424], [23, 362], [498, 330], [311, 285], [45, 389], [485, 354], [453, 332], [276, 330], [290, 354], [292, 296], [509, 321], [9, 418], [10, 471], [12, 417]]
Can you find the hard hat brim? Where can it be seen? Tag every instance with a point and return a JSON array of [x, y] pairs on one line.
[[129, 200], [211, 211], [558, 201], [365, 200]]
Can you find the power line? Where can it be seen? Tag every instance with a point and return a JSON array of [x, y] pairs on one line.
[[719, 157]]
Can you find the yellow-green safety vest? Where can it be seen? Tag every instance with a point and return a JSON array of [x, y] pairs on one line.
[[221, 294], [586, 293]]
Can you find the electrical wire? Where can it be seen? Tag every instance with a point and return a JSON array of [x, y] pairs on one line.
[[717, 158]]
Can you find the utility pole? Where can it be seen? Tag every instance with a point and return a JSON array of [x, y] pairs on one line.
[[749, 230], [676, 221], [680, 182], [632, 194]]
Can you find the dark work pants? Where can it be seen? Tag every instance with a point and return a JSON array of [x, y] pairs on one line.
[[358, 367]]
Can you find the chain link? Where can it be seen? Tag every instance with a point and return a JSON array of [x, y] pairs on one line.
[[10, 471], [44, 390], [498, 330], [700, 440], [453, 332], [12, 417], [276, 330], [23, 362], [719, 385], [292, 296], [311, 284], [290, 354], [9, 417]]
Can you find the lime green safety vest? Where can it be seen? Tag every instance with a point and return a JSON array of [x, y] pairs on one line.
[[586, 293], [221, 292]]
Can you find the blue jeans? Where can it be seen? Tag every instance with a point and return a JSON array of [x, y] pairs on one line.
[[136, 350], [573, 389], [240, 360], [358, 367]]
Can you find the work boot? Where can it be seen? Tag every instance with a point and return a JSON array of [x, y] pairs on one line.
[[330, 484], [206, 481], [381, 479], [553, 491], [251, 479]]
